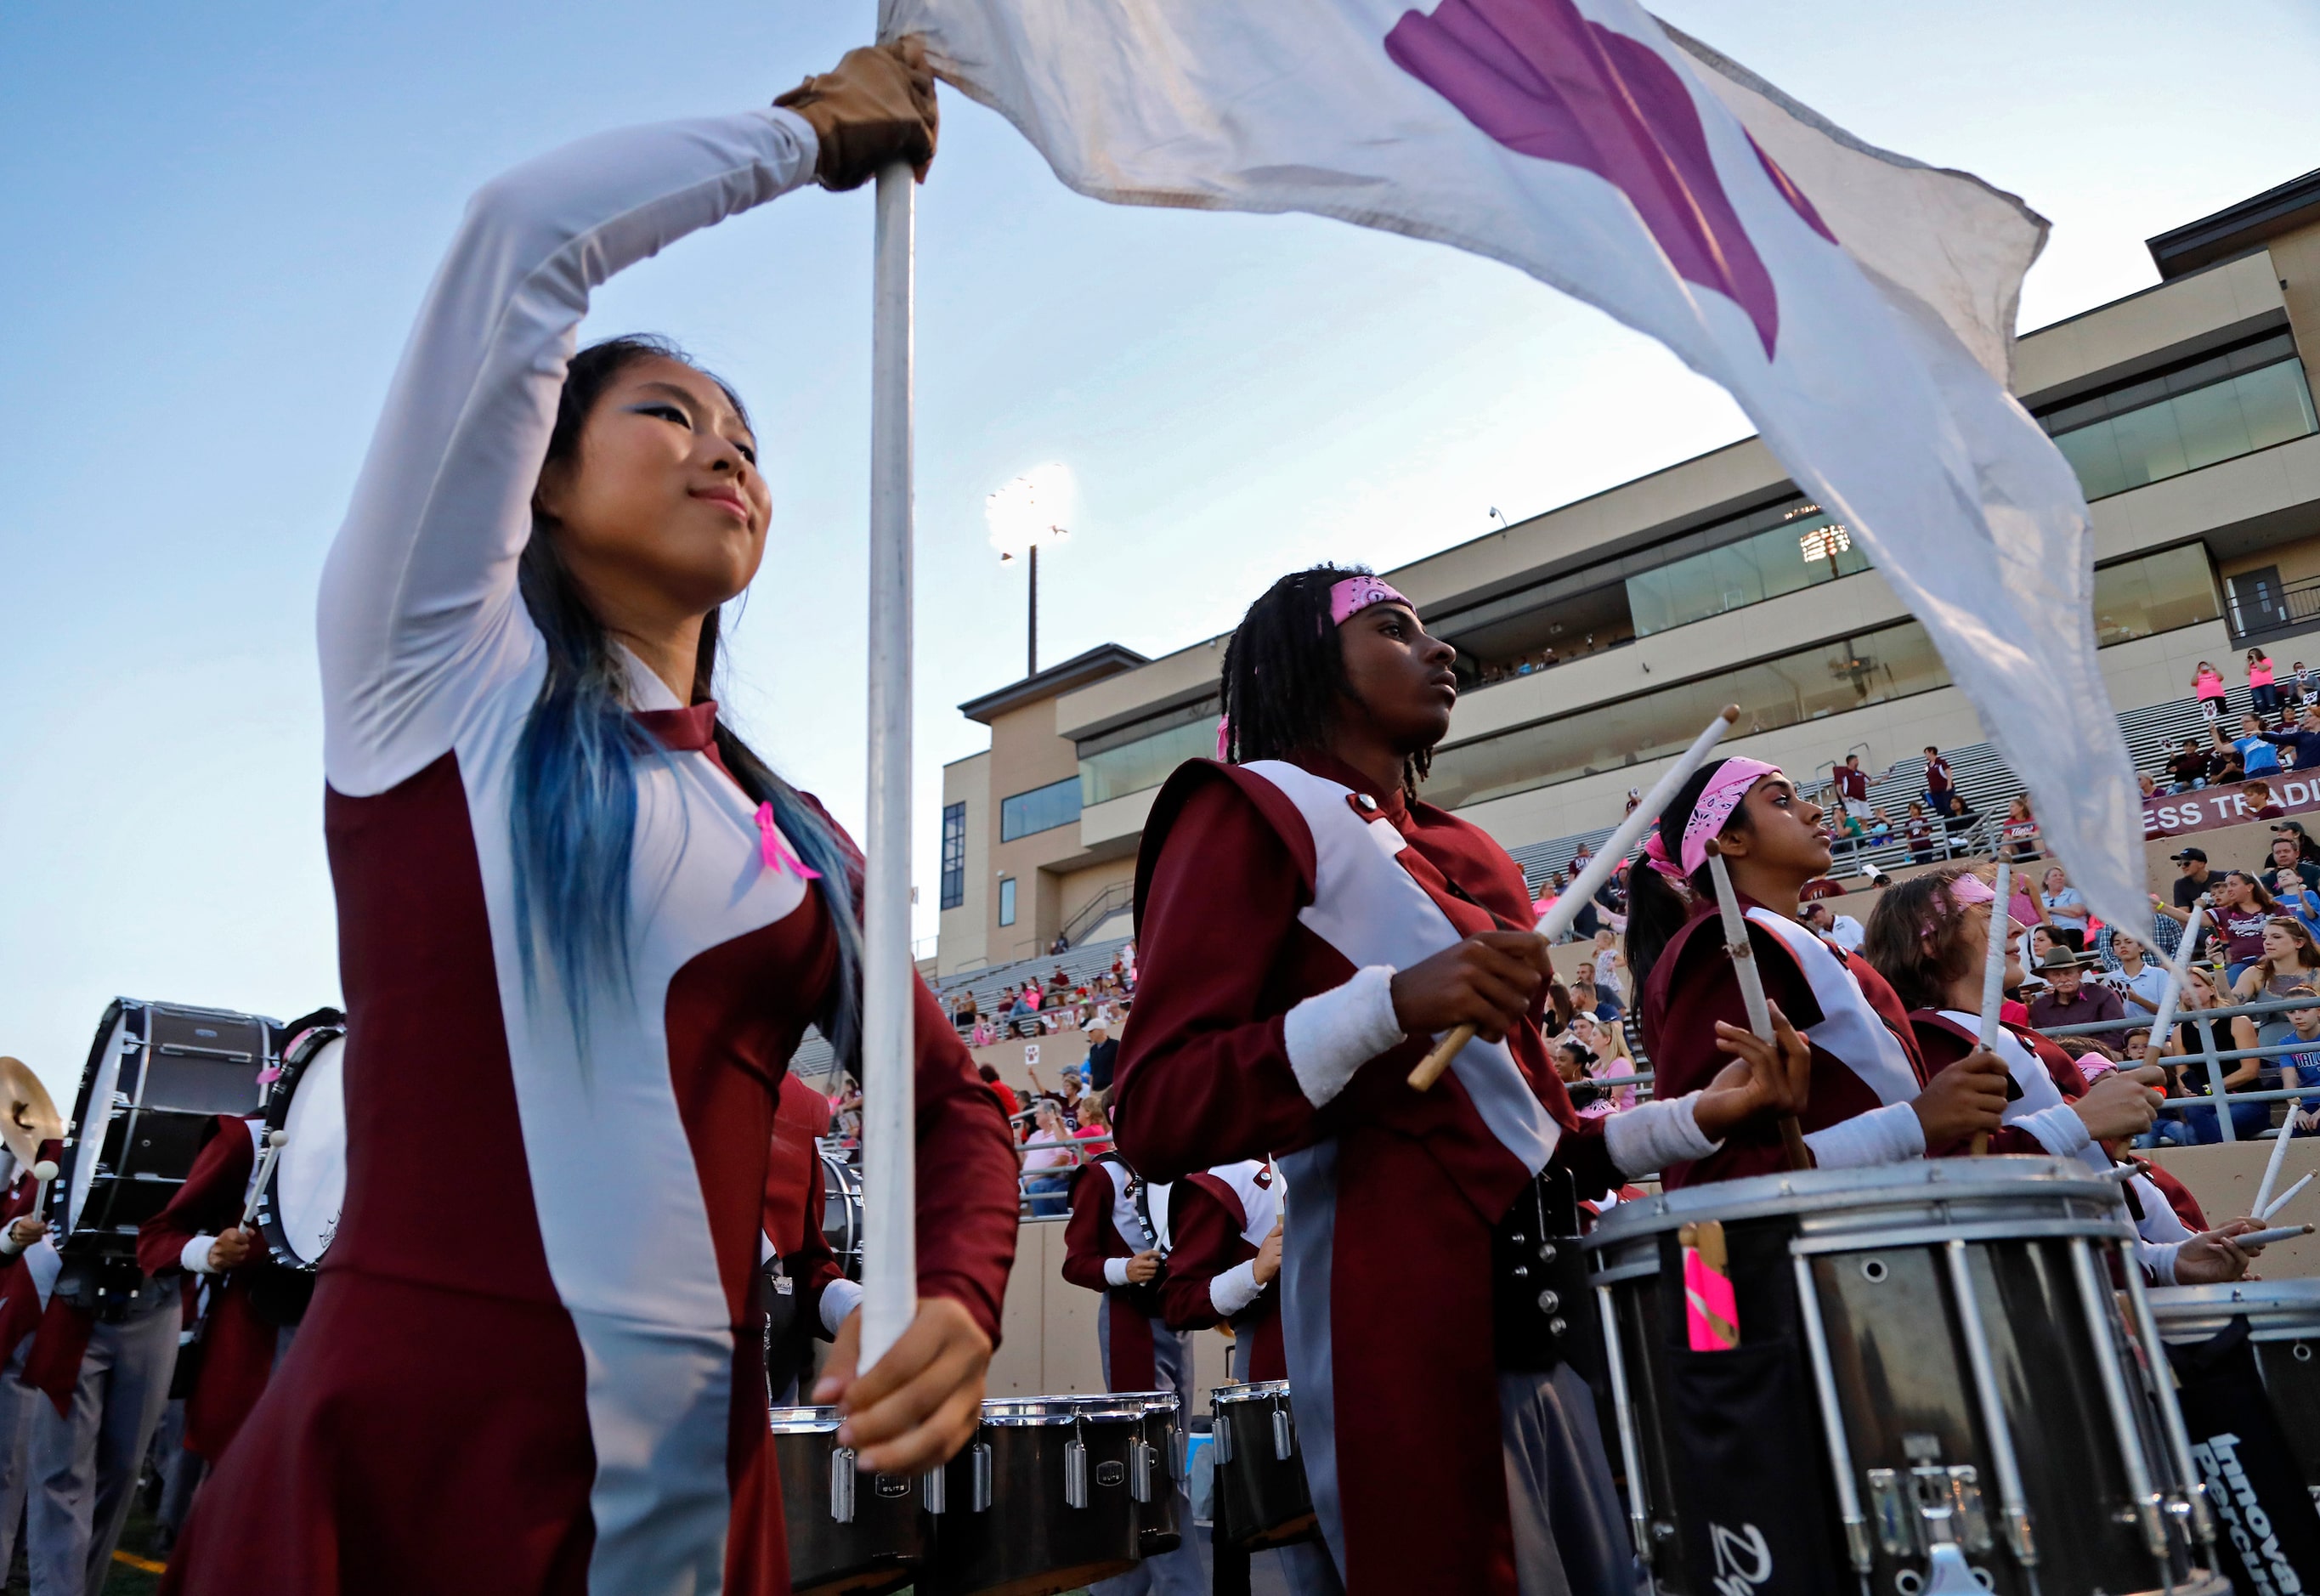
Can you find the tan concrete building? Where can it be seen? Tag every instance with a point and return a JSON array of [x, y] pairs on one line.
[[1595, 639]]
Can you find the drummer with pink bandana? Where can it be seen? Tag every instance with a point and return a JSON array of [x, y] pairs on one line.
[[1873, 1099]]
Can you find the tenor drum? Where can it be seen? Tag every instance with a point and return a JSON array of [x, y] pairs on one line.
[[158, 1076], [2247, 1356], [841, 1212], [1054, 1492], [1261, 1496], [848, 1531], [1935, 1388], [298, 1211]]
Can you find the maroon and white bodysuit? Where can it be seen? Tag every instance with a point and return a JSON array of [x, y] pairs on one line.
[[531, 1363], [1276, 902]]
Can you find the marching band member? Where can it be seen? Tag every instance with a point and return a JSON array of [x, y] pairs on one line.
[[1305, 927], [1118, 1243], [23, 1239], [811, 1296], [1872, 1100], [1227, 1225], [574, 905], [1929, 937]]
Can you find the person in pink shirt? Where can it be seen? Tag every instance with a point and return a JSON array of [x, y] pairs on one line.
[[2208, 687], [2264, 693]]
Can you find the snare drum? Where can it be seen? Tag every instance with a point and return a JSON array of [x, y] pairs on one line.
[[1936, 1389], [1261, 1496], [1055, 1492], [841, 1212], [848, 1531], [2248, 1357], [156, 1080]]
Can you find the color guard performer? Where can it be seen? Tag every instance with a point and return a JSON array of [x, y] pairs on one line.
[[1929, 937], [1118, 1243], [1305, 927], [1872, 1100], [582, 929]]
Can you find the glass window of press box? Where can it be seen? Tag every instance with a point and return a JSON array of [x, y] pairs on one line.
[[1800, 547], [1042, 809], [2134, 598], [1142, 754], [953, 855], [2221, 405]]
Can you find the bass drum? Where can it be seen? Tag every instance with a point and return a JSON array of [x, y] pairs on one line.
[[158, 1077], [841, 1212], [298, 1211]]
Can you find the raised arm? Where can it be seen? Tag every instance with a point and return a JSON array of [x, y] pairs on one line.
[[419, 610]]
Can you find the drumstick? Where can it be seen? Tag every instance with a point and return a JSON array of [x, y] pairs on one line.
[[1576, 896], [43, 1173], [2266, 1238], [1993, 972], [1743, 955], [2283, 1200], [2271, 1167], [273, 1143]]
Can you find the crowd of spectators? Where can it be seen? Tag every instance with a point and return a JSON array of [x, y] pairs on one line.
[[1035, 1007]]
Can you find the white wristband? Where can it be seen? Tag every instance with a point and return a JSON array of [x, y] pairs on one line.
[[2157, 1259], [1881, 1135], [1235, 1289], [196, 1258], [1650, 1136], [839, 1298], [2059, 1129], [8, 1247], [1115, 1272], [1333, 1033]]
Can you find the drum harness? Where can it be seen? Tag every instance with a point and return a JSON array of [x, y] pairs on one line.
[[1539, 1304]]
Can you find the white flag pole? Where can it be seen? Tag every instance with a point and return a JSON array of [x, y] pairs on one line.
[[890, 1267]]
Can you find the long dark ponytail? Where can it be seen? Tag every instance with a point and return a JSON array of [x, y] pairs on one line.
[[1656, 907], [572, 815], [1285, 675]]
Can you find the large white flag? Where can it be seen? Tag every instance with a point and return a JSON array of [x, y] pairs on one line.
[[1859, 305]]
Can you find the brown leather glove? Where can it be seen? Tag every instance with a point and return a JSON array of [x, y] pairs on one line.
[[878, 105]]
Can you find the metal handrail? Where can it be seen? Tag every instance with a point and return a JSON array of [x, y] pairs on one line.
[[2218, 1096]]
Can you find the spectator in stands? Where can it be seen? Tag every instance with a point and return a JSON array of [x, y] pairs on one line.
[[1103, 1051], [2190, 766], [1587, 998], [1941, 796], [1919, 831], [1048, 1161], [1840, 929], [1820, 886], [2208, 687], [2249, 1119], [2069, 998], [2242, 908], [2255, 756], [2137, 981], [2018, 838], [999, 1090], [2192, 877], [965, 1013], [2300, 1066], [2303, 738], [2307, 683], [2066, 908], [2261, 805], [1881, 829], [1095, 1124], [2150, 787], [2289, 959], [1611, 965], [1852, 788], [2263, 693]]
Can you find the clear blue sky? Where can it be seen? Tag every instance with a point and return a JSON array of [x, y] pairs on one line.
[[220, 220]]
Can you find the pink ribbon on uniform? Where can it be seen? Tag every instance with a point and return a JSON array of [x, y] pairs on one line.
[[776, 852]]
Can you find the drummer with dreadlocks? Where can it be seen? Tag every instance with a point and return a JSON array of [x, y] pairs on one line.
[[1305, 926]]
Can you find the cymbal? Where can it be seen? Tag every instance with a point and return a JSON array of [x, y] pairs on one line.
[[28, 1114]]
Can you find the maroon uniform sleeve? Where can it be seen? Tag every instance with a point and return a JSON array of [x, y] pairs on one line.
[[1942, 1047], [1083, 1243], [1207, 1241], [208, 1203], [2179, 1197], [1205, 1077], [967, 1206], [813, 1266]]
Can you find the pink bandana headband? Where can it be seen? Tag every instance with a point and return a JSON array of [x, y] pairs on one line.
[[1350, 597], [1964, 892], [1716, 800]]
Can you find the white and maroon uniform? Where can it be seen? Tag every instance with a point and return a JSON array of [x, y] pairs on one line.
[[1221, 1219], [531, 1362], [1275, 899], [1115, 1216]]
